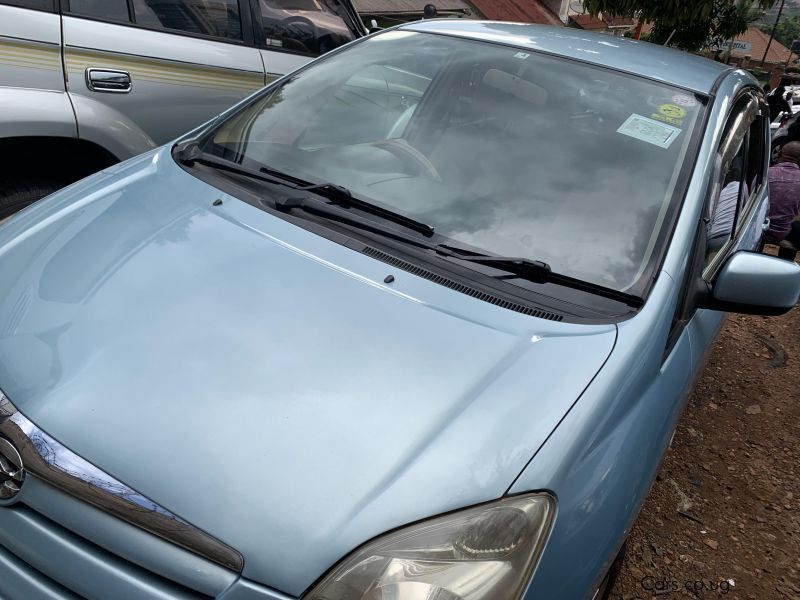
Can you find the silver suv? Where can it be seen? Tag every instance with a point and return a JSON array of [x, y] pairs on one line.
[[87, 83]]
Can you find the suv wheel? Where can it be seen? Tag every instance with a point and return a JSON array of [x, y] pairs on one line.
[[18, 192]]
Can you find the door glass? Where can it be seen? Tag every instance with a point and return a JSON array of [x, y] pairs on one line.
[[115, 10], [724, 211], [307, 26], [755, 170], [743, 176], [217, 18]]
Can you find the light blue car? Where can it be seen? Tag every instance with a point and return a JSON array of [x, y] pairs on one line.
[[415, 322]]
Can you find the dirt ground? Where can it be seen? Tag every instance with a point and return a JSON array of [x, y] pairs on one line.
[[723, 518]]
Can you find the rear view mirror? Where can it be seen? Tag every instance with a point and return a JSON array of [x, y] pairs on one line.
[[755, 284]]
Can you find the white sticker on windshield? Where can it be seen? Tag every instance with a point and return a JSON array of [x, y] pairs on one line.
[[649, 130], [684, 100], [522, 55]]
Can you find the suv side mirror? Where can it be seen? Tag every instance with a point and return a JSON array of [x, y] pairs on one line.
[[755, 284]]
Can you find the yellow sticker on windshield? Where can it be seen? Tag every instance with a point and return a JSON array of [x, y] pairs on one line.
[[670, 113]]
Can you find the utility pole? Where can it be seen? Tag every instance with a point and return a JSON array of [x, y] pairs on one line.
[[772, 35]]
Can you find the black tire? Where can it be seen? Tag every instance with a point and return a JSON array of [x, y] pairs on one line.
[[18, 192], [607, 586]]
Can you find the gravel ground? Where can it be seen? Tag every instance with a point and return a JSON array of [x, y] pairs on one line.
[[722, 519]]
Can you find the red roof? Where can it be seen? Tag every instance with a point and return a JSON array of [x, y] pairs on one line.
[[758, 40], [588, 22], [523, 11]]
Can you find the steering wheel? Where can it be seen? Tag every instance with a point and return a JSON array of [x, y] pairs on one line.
[[408, 154]]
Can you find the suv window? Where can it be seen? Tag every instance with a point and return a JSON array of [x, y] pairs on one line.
[[217, 18], [46, 5], [307, 26], [114, 10]]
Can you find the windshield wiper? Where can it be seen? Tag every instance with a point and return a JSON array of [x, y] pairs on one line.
[[335, 212], [540, 272], [340, 200], [336, 194], [343, 197], [190, 153]]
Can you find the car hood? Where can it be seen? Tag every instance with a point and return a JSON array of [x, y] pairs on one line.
[[263, 382]]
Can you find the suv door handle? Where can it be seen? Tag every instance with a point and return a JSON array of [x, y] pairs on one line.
[[108, 80]]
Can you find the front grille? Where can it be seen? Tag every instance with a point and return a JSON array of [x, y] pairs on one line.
[[19, 580], [84, 569], [49, 540]]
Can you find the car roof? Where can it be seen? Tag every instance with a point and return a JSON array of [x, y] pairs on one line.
[[639, 58]]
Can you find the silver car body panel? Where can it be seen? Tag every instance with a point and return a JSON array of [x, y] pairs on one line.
[[102, 124], [177, 81], [30, 50], [35, 112], [277, 64], [25, 24]]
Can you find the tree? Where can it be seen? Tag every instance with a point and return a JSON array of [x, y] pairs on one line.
[[688, 24], [787, 31]]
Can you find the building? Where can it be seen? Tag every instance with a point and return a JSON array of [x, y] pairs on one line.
[[603, 24], [751, 45]]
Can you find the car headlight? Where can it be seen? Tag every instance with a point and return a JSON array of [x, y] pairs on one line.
[[482, 553]]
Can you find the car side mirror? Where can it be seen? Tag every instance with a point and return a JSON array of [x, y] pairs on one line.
[[755, 284]]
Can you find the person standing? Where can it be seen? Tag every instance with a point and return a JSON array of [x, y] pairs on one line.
[[784, 197], [777, 102]]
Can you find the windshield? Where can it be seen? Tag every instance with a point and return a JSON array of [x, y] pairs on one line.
[[507, 152]]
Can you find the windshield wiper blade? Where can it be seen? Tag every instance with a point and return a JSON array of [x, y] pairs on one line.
[[191, 153], [341, 196], [335, 212], [540, 272], [337, 194]]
